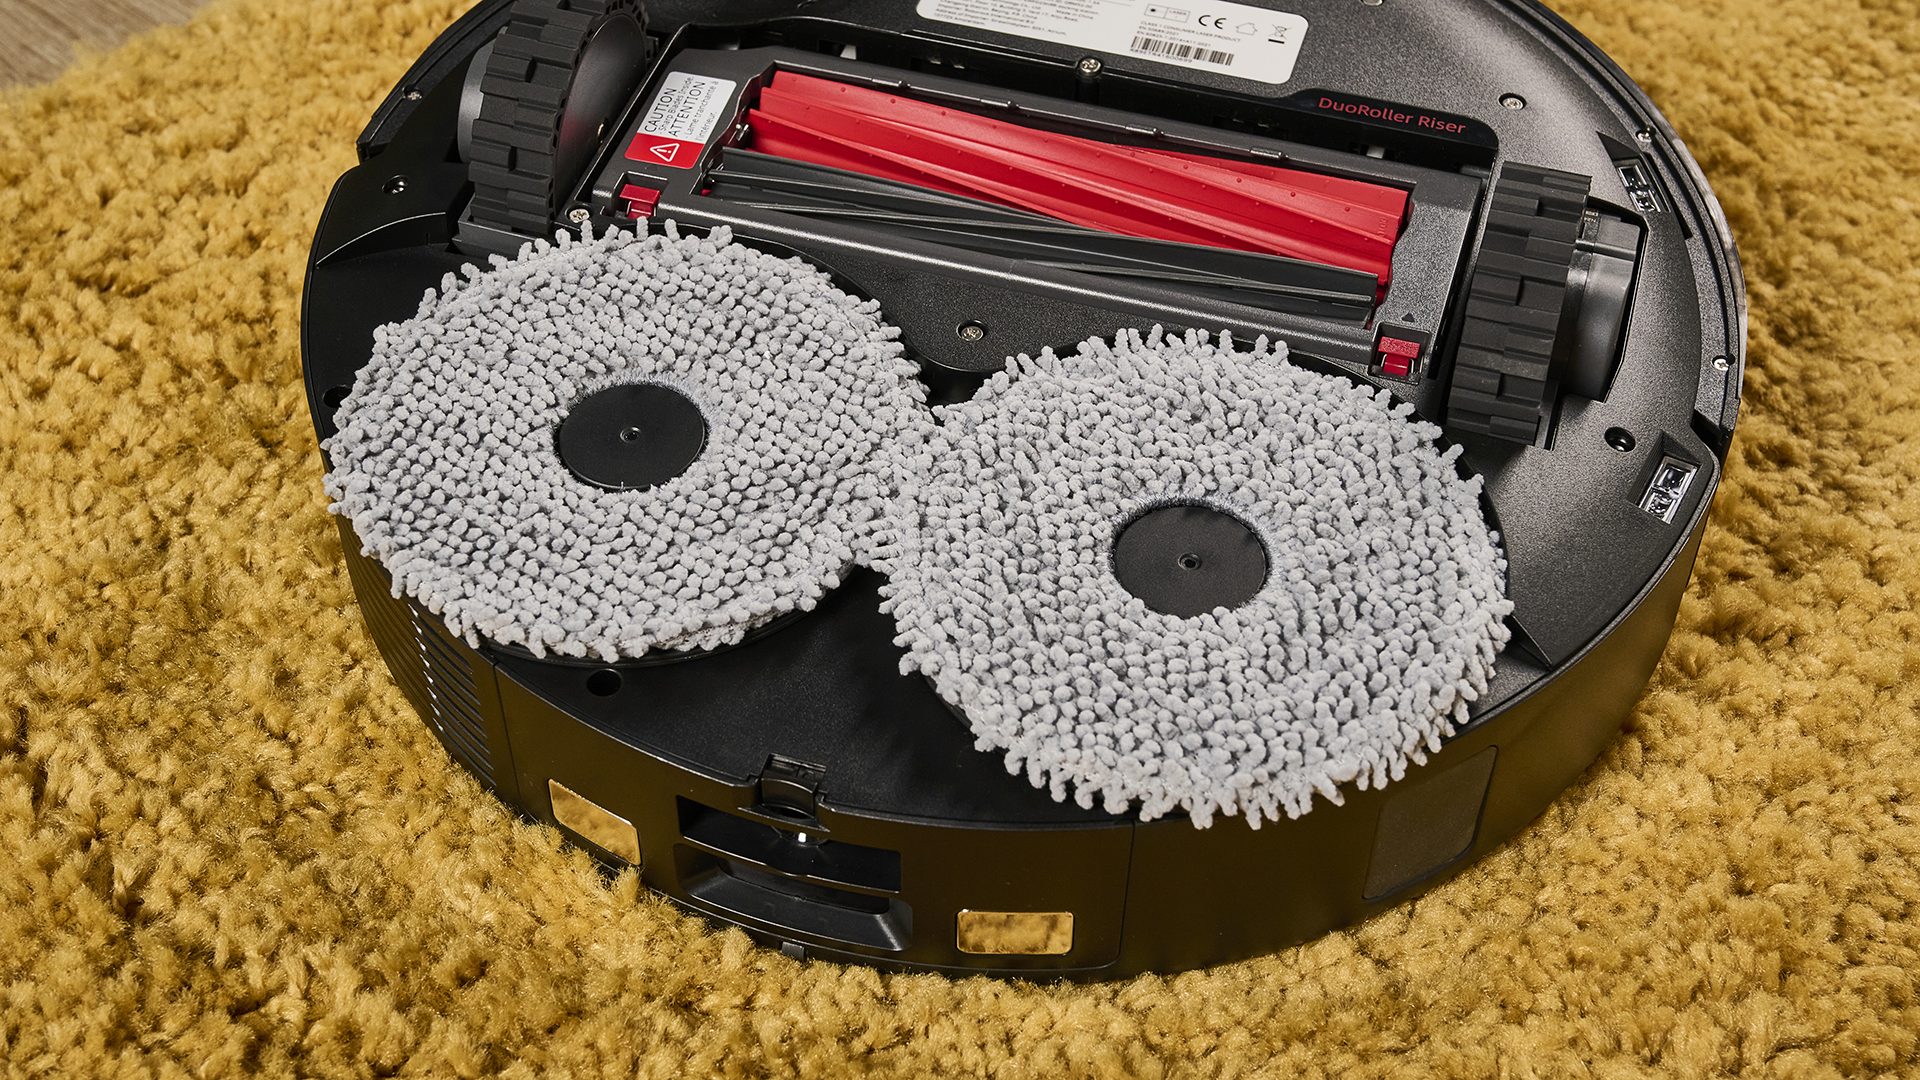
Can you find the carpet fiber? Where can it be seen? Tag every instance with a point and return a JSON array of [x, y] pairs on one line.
[[228, 847]]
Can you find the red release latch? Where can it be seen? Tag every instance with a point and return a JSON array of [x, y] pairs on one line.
[[1397, 350], [1397, 356], [640, 200]]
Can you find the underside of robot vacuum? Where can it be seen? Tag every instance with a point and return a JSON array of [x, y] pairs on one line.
[[1058, 490]]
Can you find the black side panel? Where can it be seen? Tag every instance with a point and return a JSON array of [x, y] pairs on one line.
[[1427, 825], [388, 620], [449, 684]]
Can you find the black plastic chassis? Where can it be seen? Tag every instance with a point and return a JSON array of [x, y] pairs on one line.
[[906, 825]]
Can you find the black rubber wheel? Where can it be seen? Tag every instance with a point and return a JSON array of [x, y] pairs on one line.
[[558, 75], [1501, 386]]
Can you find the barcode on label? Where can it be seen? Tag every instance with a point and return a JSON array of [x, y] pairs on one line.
[[1174, 49]]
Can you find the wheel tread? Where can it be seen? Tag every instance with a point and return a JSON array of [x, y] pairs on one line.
[[1499, 385]]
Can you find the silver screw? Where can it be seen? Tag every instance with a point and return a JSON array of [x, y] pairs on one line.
[[1721, 363], [1371, 3], [972, 331], [1090, 66], [579, 215], [1513, 101], [1644, 136]]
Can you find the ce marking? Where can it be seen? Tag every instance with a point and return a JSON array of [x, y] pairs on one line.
[[1213, 22]]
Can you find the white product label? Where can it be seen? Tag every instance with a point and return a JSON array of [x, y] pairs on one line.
[[681, 119], [1203, 35]]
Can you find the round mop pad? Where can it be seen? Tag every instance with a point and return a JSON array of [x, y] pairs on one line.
[[621, 445], [1365, 591]]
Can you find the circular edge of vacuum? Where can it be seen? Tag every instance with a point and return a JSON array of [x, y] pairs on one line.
[[824, 862]]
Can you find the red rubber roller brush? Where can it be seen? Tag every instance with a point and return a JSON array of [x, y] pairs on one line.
[[1121, 189]]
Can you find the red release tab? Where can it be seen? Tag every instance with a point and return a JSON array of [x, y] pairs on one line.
[[660, 150], [640, 200], [1396, 347], [1396, 365]]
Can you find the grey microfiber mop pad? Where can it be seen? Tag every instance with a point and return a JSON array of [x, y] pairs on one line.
[[446, 461], [1378, 623]]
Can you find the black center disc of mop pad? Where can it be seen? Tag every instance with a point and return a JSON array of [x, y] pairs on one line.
[[1187, 560], [632, 437]]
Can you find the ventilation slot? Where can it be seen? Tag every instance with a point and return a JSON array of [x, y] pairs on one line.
[[456, 707], [389, 623]]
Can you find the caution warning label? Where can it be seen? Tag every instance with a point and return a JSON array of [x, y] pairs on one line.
[[679, 153], [681, 119]]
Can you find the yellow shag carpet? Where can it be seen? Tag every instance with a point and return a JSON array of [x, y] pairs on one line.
[[228, 847]]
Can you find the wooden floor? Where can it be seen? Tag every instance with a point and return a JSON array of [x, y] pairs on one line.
[[37, 36]]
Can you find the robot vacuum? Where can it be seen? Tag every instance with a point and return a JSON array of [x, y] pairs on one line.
[[1058, 490]]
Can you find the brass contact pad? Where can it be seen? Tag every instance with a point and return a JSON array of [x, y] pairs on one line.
[[1014, 933], [595, 822]]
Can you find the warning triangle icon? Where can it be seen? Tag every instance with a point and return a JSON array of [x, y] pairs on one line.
[[665, 151]]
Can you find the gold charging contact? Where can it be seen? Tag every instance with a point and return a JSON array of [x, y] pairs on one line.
[[594, 822], [1014, 933]]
